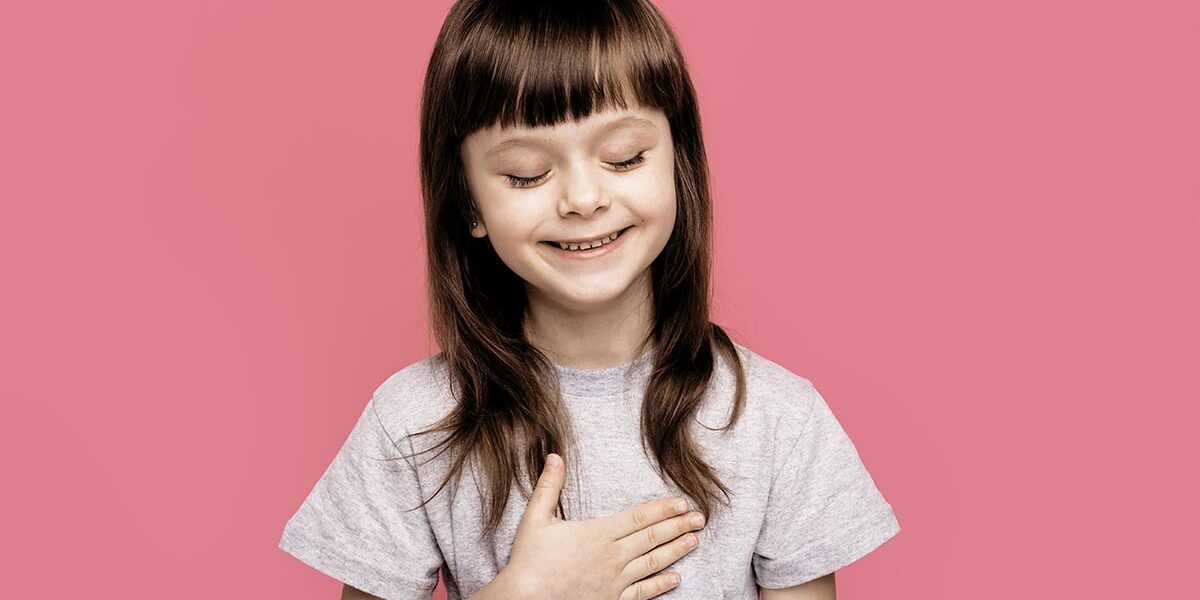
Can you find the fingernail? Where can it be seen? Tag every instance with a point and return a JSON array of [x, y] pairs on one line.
[[552, 461], [681, 505]]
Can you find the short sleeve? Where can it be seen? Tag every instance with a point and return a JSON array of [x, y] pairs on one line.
[[823, 509], [354, 526]]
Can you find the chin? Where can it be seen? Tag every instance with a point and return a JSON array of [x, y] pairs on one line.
[[593, 296]]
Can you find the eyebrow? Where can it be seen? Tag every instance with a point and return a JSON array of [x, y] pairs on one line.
[[524, 140]]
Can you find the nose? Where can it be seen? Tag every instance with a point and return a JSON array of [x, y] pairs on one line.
[[583, 192]]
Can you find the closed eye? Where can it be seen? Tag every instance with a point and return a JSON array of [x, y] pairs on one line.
[[624, 165], [515, 181], [636, 160]]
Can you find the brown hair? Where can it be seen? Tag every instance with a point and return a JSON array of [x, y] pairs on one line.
[[534, 63]]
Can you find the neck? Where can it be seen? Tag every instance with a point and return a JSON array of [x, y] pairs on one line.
[[593, 337]]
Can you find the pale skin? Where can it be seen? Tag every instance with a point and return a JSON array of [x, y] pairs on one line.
[[620, 556], [821, 588], [579, 181], [582, 180]]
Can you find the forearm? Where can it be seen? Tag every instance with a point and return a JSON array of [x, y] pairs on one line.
[[821, 588]]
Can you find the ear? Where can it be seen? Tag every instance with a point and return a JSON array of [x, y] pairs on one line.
[[479, 230]]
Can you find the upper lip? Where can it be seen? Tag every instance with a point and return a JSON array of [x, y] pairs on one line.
[[588, 239]]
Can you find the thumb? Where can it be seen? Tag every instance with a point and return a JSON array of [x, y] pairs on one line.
[[544, 503]]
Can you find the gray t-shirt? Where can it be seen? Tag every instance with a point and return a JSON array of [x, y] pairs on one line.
[[802, 502]]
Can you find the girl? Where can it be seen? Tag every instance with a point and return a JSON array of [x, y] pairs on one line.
[[568, 230]]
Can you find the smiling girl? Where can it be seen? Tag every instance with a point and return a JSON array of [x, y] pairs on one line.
[[568, 235]]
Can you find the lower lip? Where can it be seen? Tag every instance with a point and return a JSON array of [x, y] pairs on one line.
[[590, 252]]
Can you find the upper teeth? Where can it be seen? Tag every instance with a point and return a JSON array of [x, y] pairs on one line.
[[591, 244]]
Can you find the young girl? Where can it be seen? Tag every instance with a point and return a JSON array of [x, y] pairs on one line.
[[568, 231]]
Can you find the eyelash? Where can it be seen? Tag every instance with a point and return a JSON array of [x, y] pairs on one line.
[[515, 181]]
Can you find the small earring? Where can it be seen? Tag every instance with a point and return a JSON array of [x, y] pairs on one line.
[[474, 224]]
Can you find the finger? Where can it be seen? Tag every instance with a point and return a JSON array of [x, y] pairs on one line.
[[660, 558], [642, 516], [645, 540], [649, 588], [544, 503]]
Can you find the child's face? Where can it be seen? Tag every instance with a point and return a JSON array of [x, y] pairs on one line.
[[568, 183]]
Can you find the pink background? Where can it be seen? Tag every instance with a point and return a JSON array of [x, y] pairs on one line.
[[974, 226]]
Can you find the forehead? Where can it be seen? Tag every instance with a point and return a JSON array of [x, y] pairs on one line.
[[496, 139]]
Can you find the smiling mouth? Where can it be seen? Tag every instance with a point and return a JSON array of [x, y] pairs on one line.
[[578, 246]]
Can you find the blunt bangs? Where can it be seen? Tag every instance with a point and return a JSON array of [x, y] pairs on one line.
[[541, 63]]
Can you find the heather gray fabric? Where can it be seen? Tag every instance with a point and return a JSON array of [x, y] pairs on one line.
[[803, 504]]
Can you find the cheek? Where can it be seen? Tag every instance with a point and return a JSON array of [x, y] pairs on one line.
[[513, 221], [659, 206], [664, 182]]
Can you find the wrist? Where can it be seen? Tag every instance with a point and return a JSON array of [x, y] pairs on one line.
[[507, 585]]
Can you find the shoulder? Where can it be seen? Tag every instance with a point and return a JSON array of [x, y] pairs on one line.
[[415, 396], [781, 395]]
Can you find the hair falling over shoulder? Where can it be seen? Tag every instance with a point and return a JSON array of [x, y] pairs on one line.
[[540, 63]]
